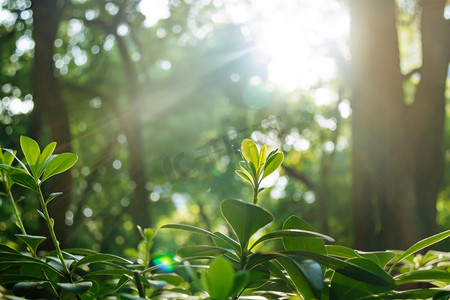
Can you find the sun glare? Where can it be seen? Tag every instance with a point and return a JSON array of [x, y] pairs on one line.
[[295, 36]]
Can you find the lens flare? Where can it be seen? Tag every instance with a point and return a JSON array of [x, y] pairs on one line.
[[164, 262]]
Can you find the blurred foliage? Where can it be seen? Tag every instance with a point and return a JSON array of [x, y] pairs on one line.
[[199, 88]]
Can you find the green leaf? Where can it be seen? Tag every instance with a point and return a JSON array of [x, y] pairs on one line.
[[158, 284], [14, 278], [245, 218], [52, 196], [241, 278], [45, 155], [229, 241], [32, 241], [220, 243], [424, 275], [13, 153], [273, 163], [341, 251], [201, 251], [4, 248], [346, 268], [122, 281], [250, 152], [262, 158], [24, 180], [219, 279], [59, 164], [244, 176], [102, 257], [195, 230], [298, 279], [24, 288], [291, 233], [343, 287], [114, 272], [411, 294], [39, 265], [421, 245], [312, 271], [78, 287], [31, 151], [305, 243], [170, 278], [8, 158], [11, 169], [382, 258]]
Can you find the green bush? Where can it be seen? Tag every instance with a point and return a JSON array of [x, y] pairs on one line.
[[304, 268]]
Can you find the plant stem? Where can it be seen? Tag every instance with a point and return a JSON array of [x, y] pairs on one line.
[[22, 229], [16, 211], [52, 232], [137, 280], [255, 194]]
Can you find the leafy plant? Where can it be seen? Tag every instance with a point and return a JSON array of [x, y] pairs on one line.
[[71, 272], [305, 267]]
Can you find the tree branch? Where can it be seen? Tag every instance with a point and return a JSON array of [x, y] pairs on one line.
[[300, 176]]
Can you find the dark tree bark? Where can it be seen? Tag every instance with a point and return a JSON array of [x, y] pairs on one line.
[[48, 100], [397, 148]]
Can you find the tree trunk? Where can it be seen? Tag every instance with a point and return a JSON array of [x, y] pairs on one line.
[[48, 100], [140, 207], [397, 149]]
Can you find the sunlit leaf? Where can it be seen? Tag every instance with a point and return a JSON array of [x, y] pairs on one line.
[[304, 243], [262, 157], [250, 152], [8, 158], [382, 258], [52, 196], [412, 294], [291, 233], [13, 153], [59, 164], [245, 218], [244, 176], [272, 164], [219, 279], [421, 245], [31, 151], [45, 157], [48, 150], [424, 275], [341, 251]]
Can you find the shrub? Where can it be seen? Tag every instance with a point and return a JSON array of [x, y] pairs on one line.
[[304, 268]]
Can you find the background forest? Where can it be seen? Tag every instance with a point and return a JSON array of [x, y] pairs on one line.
[[156, 96]]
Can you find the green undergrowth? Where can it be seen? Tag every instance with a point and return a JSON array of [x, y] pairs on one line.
[[307, 264]]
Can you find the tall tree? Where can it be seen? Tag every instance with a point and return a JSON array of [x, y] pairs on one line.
[[48, 99], [397, 147]]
